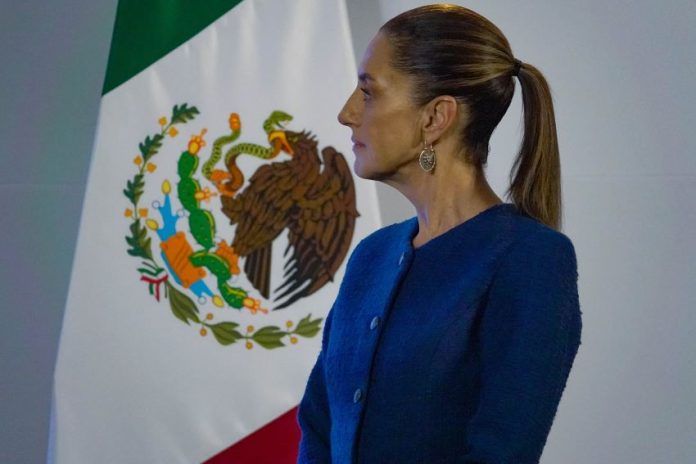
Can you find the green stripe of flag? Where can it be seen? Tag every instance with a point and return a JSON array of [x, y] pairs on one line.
[[146, 30]]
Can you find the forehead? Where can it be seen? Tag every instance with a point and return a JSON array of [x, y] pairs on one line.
[[375, 66]]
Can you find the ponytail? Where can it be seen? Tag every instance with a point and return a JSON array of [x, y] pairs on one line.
[[451, 50], [535, 177]]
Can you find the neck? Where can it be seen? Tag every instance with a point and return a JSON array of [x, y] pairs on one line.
[[453, 193]]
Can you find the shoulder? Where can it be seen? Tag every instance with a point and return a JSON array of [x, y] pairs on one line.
[[537, 242], [539, 260], [535, 283]]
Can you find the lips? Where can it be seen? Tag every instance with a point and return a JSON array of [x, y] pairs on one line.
[[356, 142]]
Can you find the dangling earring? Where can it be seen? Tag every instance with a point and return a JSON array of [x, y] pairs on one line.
[[427, 157]]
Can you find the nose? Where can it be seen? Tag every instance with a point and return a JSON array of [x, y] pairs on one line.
[[349, 114]]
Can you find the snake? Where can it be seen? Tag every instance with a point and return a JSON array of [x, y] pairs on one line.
[[230, 181]]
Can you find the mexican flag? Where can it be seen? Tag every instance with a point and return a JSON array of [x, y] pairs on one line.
[[219, 214]]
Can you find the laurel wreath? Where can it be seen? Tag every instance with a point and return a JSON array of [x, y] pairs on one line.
[[156, 276]]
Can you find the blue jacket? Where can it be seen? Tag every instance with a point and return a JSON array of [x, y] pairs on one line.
[[457, 351]]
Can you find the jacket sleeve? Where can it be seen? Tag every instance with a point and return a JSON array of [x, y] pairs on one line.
[[313, 413], [530, 334]]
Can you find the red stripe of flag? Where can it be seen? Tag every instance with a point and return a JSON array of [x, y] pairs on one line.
[[275, 443]]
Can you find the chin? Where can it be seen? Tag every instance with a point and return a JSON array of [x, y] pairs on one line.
[[367, 172], [365, 167], [362, 170], [358, 169]]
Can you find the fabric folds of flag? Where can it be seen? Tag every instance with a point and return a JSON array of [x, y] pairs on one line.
[[219, 214]]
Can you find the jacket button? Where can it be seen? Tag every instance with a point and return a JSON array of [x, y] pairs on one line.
[[375, 321], [357, 395], [401, 259]]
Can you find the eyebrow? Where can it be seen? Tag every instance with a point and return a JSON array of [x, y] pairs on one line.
[[363, 77]]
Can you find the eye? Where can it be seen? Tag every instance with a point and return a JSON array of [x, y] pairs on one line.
[[366, 93]]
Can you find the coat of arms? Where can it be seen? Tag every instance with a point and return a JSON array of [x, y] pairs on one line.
[[309, 197]]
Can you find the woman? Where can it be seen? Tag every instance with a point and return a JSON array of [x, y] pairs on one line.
[[454, 332]]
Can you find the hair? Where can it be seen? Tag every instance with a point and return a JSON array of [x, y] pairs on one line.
[[451, 50]]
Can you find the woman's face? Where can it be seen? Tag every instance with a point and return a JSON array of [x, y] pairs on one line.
[[385, 123]]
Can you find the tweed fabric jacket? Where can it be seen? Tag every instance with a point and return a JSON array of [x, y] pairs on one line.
[[457, 351]]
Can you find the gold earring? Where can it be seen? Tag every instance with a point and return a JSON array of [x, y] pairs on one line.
[[427, 157]]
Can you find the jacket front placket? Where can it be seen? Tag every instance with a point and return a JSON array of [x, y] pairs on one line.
[[390, 272]]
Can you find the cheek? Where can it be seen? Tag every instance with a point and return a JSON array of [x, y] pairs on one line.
[[377, 127], [389, 134]]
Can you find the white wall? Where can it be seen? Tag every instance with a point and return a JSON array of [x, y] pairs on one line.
[[53, 57], [622, 76]]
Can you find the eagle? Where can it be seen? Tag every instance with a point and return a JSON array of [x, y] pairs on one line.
[[317, 207]]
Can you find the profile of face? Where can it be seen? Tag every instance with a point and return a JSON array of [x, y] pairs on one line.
[[384, 121]]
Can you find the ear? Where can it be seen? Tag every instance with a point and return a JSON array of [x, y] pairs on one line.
[[440, 116]]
